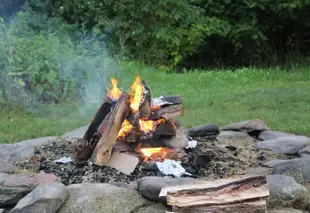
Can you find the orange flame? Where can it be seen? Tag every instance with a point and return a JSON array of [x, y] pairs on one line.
[[156, 154], [136, 94], [125, 128], [115, 92], [149, 125]]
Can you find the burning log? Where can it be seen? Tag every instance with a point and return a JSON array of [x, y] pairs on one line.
[[166, 129], [169, 112], [109, 131], [221, 196], [145, 109]]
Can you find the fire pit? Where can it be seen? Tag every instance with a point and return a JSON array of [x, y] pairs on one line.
[[132, 127]]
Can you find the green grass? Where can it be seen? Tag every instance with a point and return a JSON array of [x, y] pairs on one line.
[[279, 97]]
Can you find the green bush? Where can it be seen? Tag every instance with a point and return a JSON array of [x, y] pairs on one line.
[[38, 66], [196, 33]]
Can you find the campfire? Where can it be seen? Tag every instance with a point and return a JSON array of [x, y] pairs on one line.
[[133, 127]]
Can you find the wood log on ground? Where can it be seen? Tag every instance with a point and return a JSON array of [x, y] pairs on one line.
[[219, 192], [109, 131], [204, 130], [255, 206], [168, 112]]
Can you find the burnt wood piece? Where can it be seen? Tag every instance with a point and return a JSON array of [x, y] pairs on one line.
[[167, 128], [204, 130], [168, 112], [221, 192], [145, 109], [102, 112], [109, 130], [81, 151], [255, 206]]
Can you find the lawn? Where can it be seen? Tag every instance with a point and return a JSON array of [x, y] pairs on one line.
[[279, 97]]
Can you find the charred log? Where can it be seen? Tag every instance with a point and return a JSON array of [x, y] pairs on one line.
[[168, 112]]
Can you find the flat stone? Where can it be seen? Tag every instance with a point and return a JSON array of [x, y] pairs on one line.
[[178, 141], [273, 163], [47, 198], [14, 187], [1, 210], [204, 130], [76, 133], [247, 126], [6, 167], [99, 198], [285, 144], [286, 210], [298, 168], [284, 190], [305, 152], [269, 135], [240, 138], [150, 187], [24, 149]]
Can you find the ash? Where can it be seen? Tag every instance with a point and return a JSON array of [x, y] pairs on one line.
[[211, 159]]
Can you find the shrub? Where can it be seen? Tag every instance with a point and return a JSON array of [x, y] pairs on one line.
[[46, 65]]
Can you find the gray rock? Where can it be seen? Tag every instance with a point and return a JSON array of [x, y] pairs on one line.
[[98, 198], [77, 133], [24, 149], [154, 208], [204, 130], [298, 168], [1, 210], [269, 135], [286, 210], [240, 138], [305, 152], [47, 198], [285, 191], [258, 171], [178, 141], [6, 167], [285, 144], [150, 187], [247, 126], [15, 187], [273, 163]]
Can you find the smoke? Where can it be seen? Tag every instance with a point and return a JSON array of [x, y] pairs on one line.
[[77, 68]]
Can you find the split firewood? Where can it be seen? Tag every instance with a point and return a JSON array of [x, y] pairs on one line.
[[145, 109], [255, 206], [82, 149], [109, 131], [168, 112], [220, 192], [168, 128]]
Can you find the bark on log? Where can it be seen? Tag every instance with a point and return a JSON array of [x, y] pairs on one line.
[[168, 112], [256, 206], [221, 192], [109, 131], [102, 112]]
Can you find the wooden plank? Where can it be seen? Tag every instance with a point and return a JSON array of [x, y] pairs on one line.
[[109, 131]]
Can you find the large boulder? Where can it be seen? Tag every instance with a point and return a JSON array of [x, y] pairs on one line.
[[285, 144], [6, 167], [269, 135], [305, 152], [150, 187], [247, 126], [273, 163], [286, 192], [235, 138], [14, 187], [98, 198], [47, 198], [24, 149], [298, 168]]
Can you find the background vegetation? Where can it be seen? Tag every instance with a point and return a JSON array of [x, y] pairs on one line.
[[56, 58]]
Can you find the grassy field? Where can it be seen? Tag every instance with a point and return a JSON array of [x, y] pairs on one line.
[[279, 97]]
